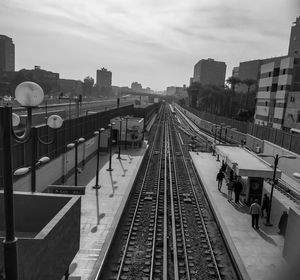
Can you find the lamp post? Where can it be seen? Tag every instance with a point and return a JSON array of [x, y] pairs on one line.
[[54, 122], [119, 139], [29, 95], [110, 144], [25, 170], [75, 145], [220, 132], [126, 128], [274, 181], [98, 132]]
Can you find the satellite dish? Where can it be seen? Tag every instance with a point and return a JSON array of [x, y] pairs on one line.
[[55, 121], [15, 119], [29, 94]]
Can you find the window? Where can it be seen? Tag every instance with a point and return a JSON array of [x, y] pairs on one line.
[[276, 72], [274, 87], [298, 117], [270, 73], [268, 88], [281, 87], [266, 103], [292, 98]]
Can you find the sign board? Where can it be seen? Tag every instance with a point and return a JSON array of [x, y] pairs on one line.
[[61, 189]]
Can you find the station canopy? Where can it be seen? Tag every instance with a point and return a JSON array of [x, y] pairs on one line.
[[245, 163]]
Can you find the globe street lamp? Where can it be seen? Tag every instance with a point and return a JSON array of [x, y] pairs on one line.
[[274, 180], [25, 170], [98, 132], [29, 95], [75, 145], [110, 146]]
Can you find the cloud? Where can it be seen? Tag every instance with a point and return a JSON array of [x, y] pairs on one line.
[[145, 36]]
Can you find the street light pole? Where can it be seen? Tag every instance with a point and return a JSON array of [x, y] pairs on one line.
[[119, 139], [276, 160], [98, 132], [126, 127], [10, 241], [110, 146]]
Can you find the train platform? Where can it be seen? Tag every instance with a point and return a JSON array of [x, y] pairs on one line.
[[101, 209], [258, 253]]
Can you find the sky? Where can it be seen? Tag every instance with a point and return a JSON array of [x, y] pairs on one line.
[[154, 42]]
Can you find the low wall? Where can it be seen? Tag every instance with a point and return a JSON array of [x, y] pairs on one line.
[[61, 166]]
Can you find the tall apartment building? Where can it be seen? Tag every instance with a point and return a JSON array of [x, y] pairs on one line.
[[277, 80], [7, 54], [210, 72], [294, 46], [103, 78]]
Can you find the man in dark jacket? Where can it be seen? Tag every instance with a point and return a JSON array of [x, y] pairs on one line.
[[265, 204], [237, 188], [220, 177]]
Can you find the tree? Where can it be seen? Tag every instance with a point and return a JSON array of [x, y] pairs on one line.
[[233, 82], [249, 83], [87, 86]]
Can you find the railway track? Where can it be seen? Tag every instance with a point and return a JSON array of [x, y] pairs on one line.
[[167, 230]]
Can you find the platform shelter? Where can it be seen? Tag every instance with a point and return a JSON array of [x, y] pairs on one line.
[[249, 166]]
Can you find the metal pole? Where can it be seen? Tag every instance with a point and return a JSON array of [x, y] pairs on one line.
[[110, 144], [77, 108], [119, 139], [10, 241], [33, 158], [70, 108], [225, 135], [126, 133], [97, 169], [272, 189], [76, 159]]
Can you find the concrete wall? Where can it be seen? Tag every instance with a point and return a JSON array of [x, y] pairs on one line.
[[291, 250], [252, 143], [60, 166], [48, 255]]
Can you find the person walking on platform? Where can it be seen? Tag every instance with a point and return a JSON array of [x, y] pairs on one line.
[[237, 188], [220, 177], [230, 188], [283, 223], [265, 205], [255, 212]]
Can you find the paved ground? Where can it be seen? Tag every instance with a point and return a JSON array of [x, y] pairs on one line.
[[258, 251], [101, 209]]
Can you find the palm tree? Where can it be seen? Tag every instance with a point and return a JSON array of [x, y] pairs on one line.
[[233, 81], [249, 83]]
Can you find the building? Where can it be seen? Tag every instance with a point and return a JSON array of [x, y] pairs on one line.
[[136, 86], [210, 72], [70, 86], [235, 72], [277, 90], [104, 78], [7, 54], [294, 46]]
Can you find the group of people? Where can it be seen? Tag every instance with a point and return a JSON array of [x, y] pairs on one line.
[[235, 185]]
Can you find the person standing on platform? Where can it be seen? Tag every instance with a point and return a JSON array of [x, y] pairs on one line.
[[255, 212], [220, 177], [237, 188], [230, 188], [283, 223], [265, 205]]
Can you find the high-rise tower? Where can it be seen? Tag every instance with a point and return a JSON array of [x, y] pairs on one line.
[[7, 54], [294, 46]]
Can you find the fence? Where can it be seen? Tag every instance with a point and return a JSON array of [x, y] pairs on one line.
[[286, 140], [71, 129]]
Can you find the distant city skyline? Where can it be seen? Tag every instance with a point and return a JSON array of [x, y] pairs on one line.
[[154, 42]]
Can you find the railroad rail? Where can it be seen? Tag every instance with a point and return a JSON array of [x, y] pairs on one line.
[[167, 231]]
